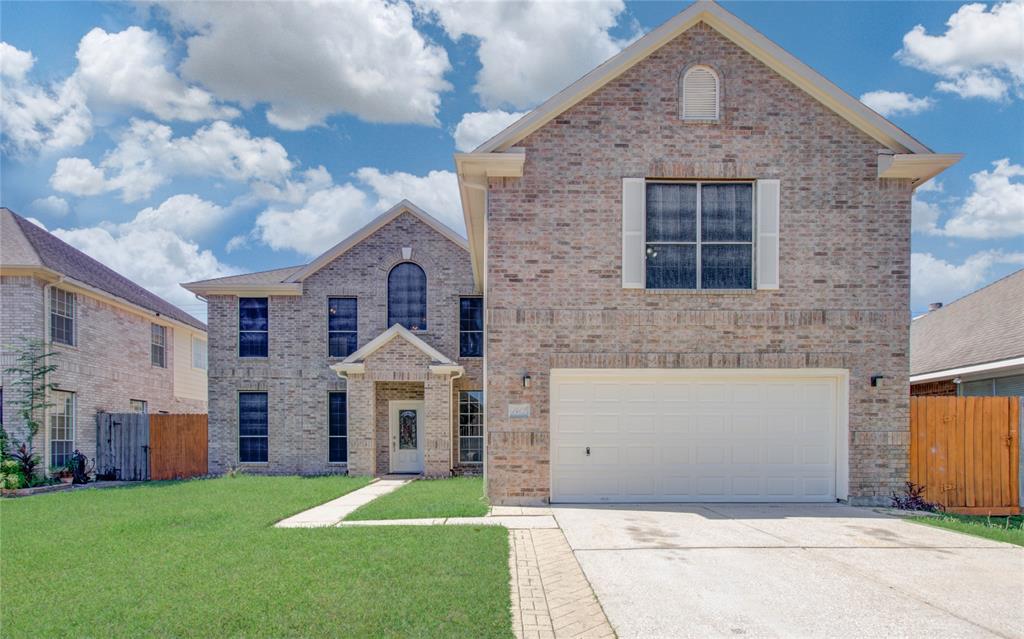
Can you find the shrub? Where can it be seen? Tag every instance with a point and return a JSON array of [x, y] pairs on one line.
[[913, 499]]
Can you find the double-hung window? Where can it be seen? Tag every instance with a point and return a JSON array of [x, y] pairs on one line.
[[158, 345], [253, 327], [253, 427], [62, 317], [699, 235], [138, 406], [199, 356], [471, 427], [62, 428], [471, 327], [337, 427], [342, 326]]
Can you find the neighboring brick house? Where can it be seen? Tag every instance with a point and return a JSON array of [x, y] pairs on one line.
[[366, 360], [696, 265], [973, 346], [117, 347]]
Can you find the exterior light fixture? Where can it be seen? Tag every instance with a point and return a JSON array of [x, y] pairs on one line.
[[526, 381], [875, 379]]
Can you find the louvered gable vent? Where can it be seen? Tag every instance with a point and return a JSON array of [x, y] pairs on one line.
[[699, 94]]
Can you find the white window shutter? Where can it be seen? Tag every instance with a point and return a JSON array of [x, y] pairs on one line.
[[634, 202], [768, 234]]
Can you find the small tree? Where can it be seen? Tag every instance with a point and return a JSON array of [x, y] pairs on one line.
[[31, 372]]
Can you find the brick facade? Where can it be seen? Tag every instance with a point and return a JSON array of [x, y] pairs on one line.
[[296, 373], [108, 366], [554, 297]]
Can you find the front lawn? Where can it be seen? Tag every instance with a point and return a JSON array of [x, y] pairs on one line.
[[201, 559], [1008, 529], [427, 498]]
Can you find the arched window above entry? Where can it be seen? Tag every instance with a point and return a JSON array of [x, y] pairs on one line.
[[407, 297], [699, 94]]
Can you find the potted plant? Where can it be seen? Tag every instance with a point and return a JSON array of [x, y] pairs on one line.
[[64, 473]]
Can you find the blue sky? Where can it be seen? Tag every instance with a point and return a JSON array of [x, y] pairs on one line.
[[191, 140]]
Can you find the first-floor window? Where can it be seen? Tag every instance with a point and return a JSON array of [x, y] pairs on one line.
[[253, 427], [471, 427], [138, 405], [337, 428], [62, 428]]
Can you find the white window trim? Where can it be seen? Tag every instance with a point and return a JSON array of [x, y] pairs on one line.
[[205, 351], [71, 428], [163, 345], [698, 242], [54, 290]]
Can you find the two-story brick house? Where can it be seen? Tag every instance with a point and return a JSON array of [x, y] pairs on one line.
[[117, 347]]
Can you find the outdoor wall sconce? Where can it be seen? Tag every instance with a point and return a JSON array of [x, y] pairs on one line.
[[526, 381], [874, 380]]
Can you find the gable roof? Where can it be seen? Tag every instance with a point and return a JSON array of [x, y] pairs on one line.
[[356, 362], [743, 35], [260, 283], [342, 247], [982, 327], [26, 245]]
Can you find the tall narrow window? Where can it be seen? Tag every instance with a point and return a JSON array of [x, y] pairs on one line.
[[342, 326], [471, 327], [407, 297], [471, 427], [62, 317], [158, 345], [700, 235], [699, 94], [337, 427], [253, 327], [62, 428], [199, 353], [253, 427]]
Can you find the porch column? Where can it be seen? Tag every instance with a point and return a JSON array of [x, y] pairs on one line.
[[437, 397], [361, 426]]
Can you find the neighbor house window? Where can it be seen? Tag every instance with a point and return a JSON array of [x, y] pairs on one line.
[[158, 346], [471, 327], [342, 332], [253, 327], [253, 427], [62, 428], [407, 297], [699, 94], [471, 427], [700, 235], [199, 353], [138, 406], [337, 427], [62, 317]]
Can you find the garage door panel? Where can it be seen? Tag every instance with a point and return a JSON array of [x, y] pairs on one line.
[[691, 439]]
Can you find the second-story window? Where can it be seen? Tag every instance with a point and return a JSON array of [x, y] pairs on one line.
[[253, 327], [62, 317], [342, 332], [471, 327], [407, 297], [199, 353], [158, 345]]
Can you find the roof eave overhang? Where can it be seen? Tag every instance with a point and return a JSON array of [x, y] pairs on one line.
[[242, 290], [474, 170], [950, 373], [917, 167]]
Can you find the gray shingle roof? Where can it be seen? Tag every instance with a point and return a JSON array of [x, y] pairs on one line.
[[273, 276], [984, 326], [55, 254]]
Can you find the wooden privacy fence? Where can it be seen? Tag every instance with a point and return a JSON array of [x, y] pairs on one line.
[[137, 446], [965, 451]]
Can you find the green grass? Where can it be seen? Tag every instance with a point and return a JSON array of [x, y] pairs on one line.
[[426, 498], [201, 559], [1008, 529]]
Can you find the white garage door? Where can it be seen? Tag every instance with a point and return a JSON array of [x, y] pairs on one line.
[[697, 435]]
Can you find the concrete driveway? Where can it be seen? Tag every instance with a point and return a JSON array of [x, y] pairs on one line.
[[793, 570]]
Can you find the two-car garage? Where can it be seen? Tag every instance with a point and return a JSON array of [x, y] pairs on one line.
[[657, 435]]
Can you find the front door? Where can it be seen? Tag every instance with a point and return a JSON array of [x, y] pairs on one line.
[[406, 436]]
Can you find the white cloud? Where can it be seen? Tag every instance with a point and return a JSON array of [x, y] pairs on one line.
[[35, 117], [147, 156], [981, 54], [328, 216], [437, 193], [924, 215], [129, 68], [51, 205], [188, 215], [530, 50], [933, 279], [995, 209], [156, 259], [888, 103], [314, 60], [476, 128]]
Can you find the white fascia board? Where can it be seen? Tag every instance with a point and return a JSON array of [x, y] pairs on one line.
[[950, 373]]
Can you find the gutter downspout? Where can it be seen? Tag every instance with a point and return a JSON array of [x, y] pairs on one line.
[[451, 419]]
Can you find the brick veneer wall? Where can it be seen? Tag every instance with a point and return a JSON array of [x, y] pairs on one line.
[[109, 365], [554, 295], [296, 374]]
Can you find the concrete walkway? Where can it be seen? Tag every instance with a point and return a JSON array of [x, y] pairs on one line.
[[513, 518], [332, 512]]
